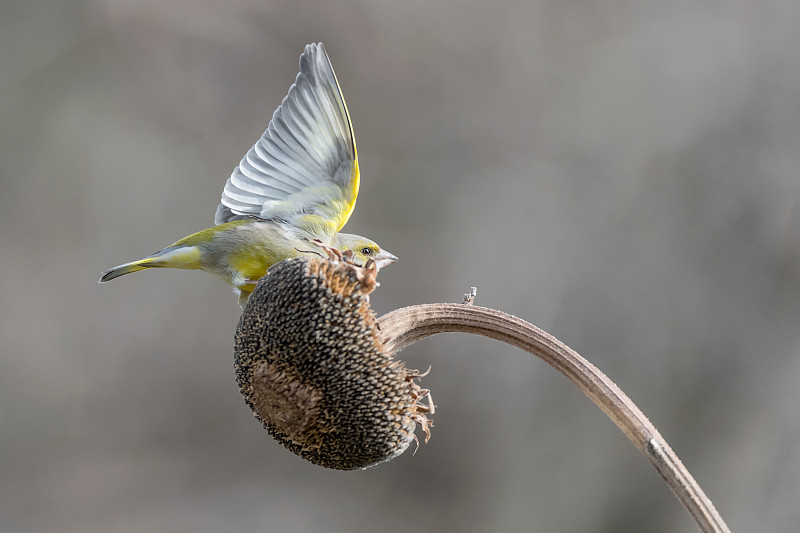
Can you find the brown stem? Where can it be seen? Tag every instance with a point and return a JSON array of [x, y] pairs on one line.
[[405, 326]]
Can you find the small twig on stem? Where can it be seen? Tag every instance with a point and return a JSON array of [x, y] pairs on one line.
[[469, 298]]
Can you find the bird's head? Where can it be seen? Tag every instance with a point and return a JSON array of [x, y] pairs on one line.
[[363, 249]]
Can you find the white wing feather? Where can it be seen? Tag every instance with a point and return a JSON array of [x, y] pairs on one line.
[[304, 161]]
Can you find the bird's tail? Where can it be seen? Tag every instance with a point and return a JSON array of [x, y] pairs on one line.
[[121, 270], [170, 257]]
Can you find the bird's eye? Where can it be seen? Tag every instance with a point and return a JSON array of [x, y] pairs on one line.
[[366, 250]]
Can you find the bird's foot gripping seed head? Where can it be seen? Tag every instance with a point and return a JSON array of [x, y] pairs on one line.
[[335, 255], [311, 365]]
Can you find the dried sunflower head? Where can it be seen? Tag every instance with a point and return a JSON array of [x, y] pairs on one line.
[[311, 365]]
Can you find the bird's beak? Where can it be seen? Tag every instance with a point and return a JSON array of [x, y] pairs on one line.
[[384, 258]]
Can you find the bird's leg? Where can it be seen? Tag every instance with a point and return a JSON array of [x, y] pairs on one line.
[[333, 254]]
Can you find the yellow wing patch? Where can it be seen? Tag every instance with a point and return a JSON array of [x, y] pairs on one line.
[[355, 179], [355, 173]]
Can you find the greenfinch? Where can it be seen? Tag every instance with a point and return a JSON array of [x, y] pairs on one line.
[[293, 191]]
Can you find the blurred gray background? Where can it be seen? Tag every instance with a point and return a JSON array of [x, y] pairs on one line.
[[626, 175]]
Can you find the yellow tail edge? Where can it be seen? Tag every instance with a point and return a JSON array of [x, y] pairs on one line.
[[127, 268], [171, 257]]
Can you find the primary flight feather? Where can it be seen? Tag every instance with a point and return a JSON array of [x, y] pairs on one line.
[[296, 186]]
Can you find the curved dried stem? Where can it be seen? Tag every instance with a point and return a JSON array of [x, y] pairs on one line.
[[405, 326]]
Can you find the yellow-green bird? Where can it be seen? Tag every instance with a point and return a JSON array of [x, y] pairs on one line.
[[297, 185]]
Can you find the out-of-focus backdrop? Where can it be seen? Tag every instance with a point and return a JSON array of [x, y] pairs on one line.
[[624, 175]]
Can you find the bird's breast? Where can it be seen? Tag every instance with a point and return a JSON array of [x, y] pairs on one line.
[[252, 263], [253, 248]]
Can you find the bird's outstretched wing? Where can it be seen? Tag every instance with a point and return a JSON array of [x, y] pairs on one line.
[[305, 167]]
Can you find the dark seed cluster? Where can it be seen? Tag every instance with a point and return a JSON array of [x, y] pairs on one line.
[[310, 365]]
